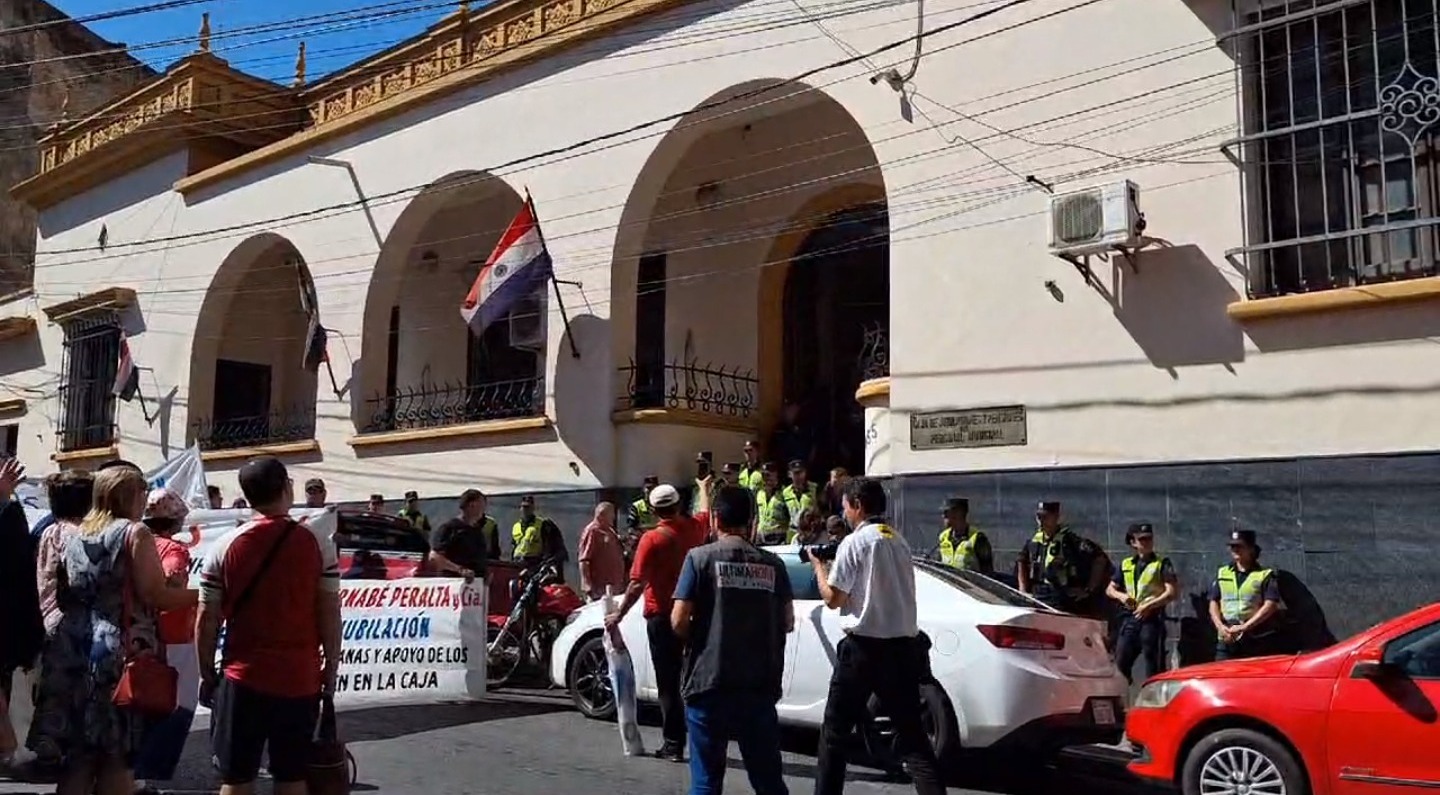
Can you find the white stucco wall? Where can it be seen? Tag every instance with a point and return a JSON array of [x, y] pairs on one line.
[[1155, 372]]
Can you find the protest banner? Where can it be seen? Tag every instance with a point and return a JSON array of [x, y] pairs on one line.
[[418, 640], [184, 475]]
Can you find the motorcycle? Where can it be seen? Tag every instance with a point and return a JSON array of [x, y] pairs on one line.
[[524, 637]]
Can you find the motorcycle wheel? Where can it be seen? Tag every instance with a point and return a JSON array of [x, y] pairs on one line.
[[504, 653]]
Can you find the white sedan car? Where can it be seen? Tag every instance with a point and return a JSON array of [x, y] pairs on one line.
[[1009, 672]]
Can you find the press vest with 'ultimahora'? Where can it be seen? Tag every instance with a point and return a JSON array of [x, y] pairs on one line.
[[1145, 582], [961, 554], [1241, 600]]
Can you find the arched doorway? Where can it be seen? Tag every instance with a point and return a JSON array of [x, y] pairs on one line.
[[837, 317], [248, 382], [423, 367], [736, 196]]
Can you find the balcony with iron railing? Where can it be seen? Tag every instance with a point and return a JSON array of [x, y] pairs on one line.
[[709, 389], [442, 405], [295, 424]]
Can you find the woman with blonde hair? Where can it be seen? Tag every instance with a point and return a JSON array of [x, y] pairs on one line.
[[111, 588]]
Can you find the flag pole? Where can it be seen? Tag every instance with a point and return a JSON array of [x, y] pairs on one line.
[[559, 301]]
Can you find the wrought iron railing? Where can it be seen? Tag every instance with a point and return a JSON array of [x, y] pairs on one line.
[[439, 405], [875, 352], [293, 425], [708, 389], [90, 359], [1340, 134]]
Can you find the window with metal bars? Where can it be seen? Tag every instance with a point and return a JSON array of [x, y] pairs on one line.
[[1341, 106], [87, 399]]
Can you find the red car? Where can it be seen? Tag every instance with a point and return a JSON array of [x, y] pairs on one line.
[[1358, 718]]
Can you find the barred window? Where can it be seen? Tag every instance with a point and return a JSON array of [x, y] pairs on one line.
[[1341, 105], [87, 399]]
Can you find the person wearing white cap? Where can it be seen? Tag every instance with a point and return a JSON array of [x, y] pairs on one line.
[[658, 558]]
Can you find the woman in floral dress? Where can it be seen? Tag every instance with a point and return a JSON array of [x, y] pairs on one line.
[[110, 558]]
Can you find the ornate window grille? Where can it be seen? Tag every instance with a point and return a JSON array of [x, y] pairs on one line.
[[87, 400], [1341, 102]]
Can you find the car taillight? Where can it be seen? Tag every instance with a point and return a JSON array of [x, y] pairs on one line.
[[1007, 637]]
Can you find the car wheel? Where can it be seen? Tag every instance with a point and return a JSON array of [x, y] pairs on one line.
[[937, 718], [1242, 762], [589, 680]]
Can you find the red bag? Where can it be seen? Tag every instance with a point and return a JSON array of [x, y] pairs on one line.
[[177, 627], [148, 685]]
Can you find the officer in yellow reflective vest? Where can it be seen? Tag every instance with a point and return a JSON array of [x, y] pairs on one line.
[[1061, 568], [1144, 584], [412, 513], [772, 518], [962, 546], [641, 516], [1244, 601], [799, 495], [752, 474], [533, 535]]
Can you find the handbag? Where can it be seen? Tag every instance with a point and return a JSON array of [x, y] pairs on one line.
[[331, 768], [148, 686]]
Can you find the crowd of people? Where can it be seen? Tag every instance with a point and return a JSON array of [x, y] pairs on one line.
[[98, 601]]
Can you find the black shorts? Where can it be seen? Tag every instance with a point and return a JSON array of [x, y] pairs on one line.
[[245, 721]]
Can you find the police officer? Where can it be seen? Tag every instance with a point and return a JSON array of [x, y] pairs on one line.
[[799, 495], [1144, 585], [412, 513], [1062, 569], [962, 546], [752, 475], [1244, 601], [772, 517], [641, 517], [532, 533]]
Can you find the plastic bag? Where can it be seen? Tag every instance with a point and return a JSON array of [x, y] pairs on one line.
[[622, 683]]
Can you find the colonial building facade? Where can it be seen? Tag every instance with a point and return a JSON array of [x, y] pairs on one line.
[[753, 204]]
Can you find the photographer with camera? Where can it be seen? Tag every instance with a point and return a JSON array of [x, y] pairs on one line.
[[869, 577]]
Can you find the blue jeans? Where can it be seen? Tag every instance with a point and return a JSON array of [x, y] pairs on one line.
[[716, 718]]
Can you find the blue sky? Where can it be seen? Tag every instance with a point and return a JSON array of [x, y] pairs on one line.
[[262, 36]]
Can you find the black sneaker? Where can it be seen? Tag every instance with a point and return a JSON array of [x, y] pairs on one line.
[[671, 752]]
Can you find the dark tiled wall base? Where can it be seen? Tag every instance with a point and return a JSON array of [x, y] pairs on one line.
[[1362, 532]]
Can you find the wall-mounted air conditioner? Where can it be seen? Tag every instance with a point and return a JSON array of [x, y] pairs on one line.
[[1096, 220]]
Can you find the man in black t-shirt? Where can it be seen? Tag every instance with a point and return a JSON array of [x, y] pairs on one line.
[[462, 546], [733, 609]]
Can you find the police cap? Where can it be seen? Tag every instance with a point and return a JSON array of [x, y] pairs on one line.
[[1243, 538], [1048, 506], [957, 504], [412, 495], [651, 480], [1141, 529], [797, 465]]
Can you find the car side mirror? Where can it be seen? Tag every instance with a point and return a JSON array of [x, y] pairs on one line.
[[1373, 670]]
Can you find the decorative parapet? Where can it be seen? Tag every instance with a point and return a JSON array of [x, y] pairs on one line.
[[200, 97], [465, 41], [460, 51]]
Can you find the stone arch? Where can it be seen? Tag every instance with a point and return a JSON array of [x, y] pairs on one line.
[[248, 383], [736, 187], [422, 367]]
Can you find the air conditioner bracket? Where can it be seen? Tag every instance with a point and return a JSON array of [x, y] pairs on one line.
[[1082, 264]]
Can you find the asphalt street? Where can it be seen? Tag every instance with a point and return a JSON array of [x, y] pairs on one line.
[[535, 743]]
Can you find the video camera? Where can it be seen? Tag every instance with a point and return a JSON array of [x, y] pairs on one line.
[[821, 552]]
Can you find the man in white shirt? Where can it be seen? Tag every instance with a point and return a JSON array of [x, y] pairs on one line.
[[872, 583]]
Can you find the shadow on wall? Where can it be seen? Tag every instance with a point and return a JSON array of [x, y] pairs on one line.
[[1174, 308], [22, 355], [1414, 322], [423, 446], [582, 386], [146, 182]]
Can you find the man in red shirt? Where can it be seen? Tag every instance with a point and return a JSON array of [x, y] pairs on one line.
[[276, 587], [658, 559]]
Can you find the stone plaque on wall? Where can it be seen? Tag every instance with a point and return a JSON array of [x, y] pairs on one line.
[[1000, 426]]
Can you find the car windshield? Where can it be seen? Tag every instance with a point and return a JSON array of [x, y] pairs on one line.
[[979, 587]]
